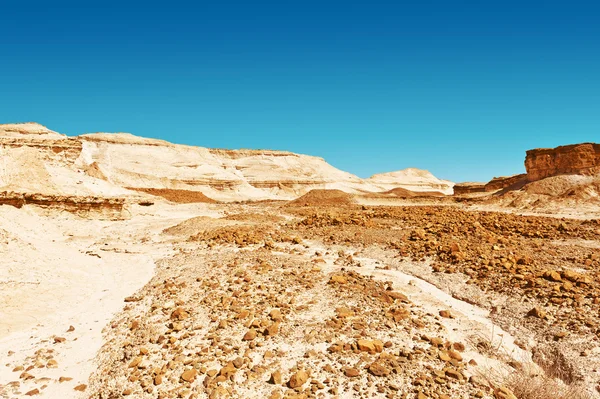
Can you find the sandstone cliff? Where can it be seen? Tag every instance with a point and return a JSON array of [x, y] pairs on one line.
[[581, 159], [37, 160]]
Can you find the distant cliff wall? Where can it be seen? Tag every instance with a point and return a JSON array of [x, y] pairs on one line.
[[581, 159], [496, 184]]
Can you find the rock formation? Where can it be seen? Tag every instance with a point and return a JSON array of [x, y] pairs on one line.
[[469, 188], [494, 185], [412, 179], [36, 160], [541, 163], [582, 159]]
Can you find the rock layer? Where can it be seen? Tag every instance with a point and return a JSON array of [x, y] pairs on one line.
[[582, 159], [496, 184], [104, 208], [37, 160]]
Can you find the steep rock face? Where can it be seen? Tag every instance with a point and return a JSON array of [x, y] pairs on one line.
[[583, 159]]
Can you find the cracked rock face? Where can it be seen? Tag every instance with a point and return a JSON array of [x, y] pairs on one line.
[[571, 159]]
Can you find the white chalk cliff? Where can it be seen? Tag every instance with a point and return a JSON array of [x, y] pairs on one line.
[[34, 159]]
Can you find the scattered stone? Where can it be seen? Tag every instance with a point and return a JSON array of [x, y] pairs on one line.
[[189, 375], [378, 369], [446, 314], [504, 393], [351, 372], [374, 346], [537, 312], [339, 279], [298, 379], [250, 335], [276, 378]]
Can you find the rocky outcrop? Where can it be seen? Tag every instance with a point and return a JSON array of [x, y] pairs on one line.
[[581, 159], [469, 188], [103, 208], [500, 183], [494, 185], [541, 163]]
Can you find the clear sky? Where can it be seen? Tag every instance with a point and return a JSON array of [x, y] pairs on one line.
[[461, 88]]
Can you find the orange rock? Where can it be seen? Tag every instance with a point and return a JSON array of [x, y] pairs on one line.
[[298, 379], [374, 346], [250, 335], [351, 372], [80, 387], [568, 159], [276, 378], [189, 375], [338, 278], [273, 329], [446, 314]]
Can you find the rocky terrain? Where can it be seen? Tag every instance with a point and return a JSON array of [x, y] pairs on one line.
[[138, 268], [329, 300]]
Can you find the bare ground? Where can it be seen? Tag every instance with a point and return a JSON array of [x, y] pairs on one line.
[[327, 301]]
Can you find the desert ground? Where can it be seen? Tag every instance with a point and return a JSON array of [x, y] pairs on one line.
[[319, 297], [264, 274]]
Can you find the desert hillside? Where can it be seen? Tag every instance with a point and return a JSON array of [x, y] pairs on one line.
[[36, 160]]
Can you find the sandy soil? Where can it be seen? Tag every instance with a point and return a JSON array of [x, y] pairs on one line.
[[62, 271]]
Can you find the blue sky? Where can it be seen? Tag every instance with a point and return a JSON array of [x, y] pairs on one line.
[[461, 88]]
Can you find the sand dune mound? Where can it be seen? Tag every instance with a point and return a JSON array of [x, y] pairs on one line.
[[178, 196], [324, 198]]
